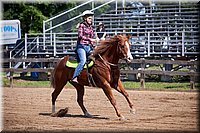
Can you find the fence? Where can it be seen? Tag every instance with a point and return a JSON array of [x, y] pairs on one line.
[[193, 66]]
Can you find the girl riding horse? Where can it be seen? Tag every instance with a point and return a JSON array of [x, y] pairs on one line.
[[107, 56], [84, 43]]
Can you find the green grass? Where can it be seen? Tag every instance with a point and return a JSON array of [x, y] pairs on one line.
[[162, 85], [17, 82], [33, 83], [25, 83]]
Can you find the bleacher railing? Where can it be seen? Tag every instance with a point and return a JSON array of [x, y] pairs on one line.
[[151, 34], [65, 44], [52, 26]]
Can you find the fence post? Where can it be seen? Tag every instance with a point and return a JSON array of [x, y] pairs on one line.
[[192, 77], [142, 78], [192, 82], [11, 79]]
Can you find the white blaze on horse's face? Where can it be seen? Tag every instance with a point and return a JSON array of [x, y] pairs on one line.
[[129, 55]]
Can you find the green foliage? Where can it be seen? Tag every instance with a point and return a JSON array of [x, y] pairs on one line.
[[31, 19], [32, 15]]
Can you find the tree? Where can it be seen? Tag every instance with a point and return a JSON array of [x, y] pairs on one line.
[[31, 19], [31, 15]]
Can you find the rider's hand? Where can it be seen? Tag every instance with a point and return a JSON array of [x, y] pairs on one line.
[[93, 40], [97, 39]]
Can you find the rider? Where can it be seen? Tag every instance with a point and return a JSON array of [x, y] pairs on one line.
[[85, 42]]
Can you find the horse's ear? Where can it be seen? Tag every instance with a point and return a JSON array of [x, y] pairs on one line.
[[128, 36], [118, 37]]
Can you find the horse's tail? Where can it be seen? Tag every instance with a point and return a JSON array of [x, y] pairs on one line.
[[59, 65]]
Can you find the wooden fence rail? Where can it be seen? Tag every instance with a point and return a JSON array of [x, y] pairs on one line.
[[145, 61], [192, 72]]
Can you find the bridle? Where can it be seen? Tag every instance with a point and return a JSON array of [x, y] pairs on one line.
[[106, 62], [121, 55]]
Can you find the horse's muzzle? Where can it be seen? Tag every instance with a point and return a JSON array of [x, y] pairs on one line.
[[128, 59]]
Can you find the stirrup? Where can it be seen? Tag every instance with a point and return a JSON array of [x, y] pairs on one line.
[[71, 80]]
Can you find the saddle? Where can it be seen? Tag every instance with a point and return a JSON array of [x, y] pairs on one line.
[[89, 63], [74, 64]]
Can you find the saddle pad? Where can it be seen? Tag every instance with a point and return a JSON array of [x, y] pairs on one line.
[[74, 64]]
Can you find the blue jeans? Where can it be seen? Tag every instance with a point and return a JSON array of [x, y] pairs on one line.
[[82, 51]]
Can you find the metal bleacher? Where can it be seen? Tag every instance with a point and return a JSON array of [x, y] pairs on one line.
[[170, 30], [161, 30]]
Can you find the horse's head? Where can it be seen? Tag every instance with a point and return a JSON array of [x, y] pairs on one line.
[[124, 47]]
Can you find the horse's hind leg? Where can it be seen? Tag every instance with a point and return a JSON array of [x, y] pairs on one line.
[[80, 93], [121, 89], [54, 95], [60, 76], [58, 88]]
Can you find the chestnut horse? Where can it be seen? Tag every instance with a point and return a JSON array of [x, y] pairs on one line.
[[105, 73]]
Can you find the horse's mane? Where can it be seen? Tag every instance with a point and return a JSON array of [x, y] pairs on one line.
[[104, 45]]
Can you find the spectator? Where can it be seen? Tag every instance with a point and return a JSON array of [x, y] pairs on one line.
[[100, 32]]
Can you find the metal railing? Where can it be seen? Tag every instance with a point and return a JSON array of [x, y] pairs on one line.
[[64, 22], [65, 44], [49, 21], [149, 40]]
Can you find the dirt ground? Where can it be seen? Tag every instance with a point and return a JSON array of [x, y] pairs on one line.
[[28, 109]]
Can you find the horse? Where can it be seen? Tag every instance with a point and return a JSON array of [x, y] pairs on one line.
[[105, 73]]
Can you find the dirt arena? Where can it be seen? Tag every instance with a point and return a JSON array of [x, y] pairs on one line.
[[28, 109]]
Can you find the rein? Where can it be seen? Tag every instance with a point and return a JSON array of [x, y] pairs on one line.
[[107, 61]]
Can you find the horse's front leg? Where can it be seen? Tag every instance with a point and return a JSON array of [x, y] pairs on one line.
[[107, 90], [121, 89]]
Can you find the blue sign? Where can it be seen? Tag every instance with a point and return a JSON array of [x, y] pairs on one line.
[[8, 28], [10, 31]]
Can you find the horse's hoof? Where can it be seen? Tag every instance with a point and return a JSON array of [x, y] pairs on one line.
[[133, 111], [53, 108], [122, 118], [53, 114], [88, 115], [60, 113]]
